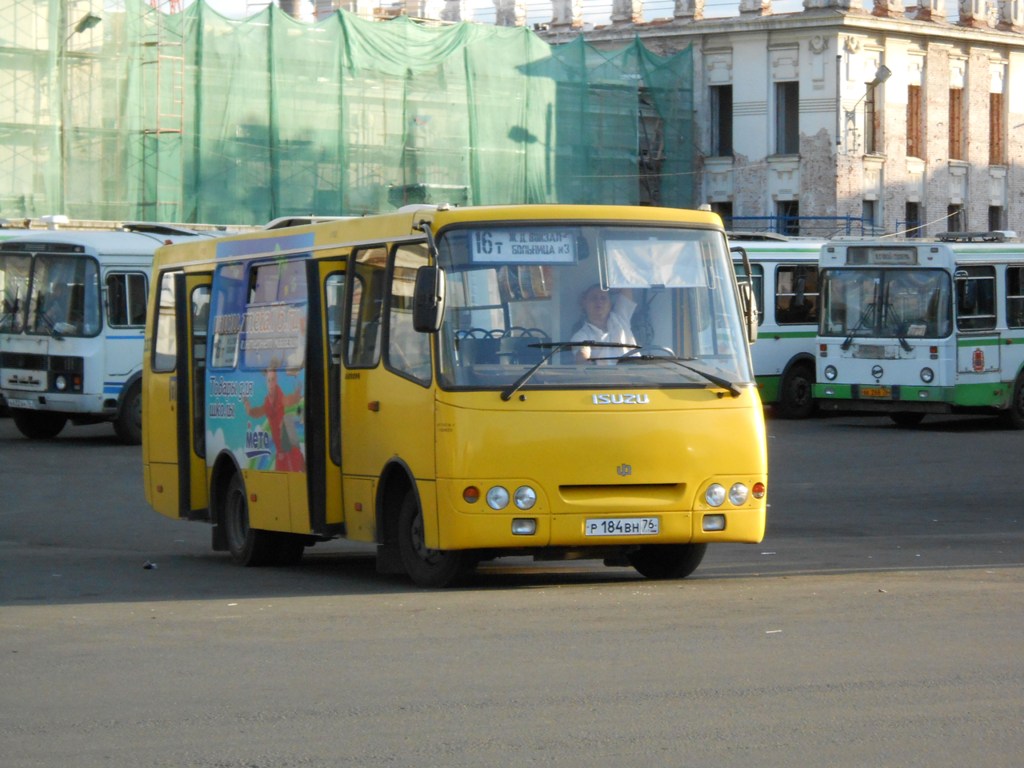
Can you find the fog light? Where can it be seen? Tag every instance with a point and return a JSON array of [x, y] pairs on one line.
[[524, 526], [927, 375], [497, 497], [713, 523], [525, 497], [60, 383], [738, 494], [714, 495], [831, 372]]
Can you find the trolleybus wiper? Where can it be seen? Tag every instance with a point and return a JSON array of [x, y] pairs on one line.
[[556, 347], [713, 378]]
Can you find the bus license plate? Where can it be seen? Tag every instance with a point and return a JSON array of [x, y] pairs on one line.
[[876, 391], [13, 402], [621, 526]]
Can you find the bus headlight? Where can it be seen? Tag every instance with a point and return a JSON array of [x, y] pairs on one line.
[[497, 497], [524, 497], [927, 375], [738, 494], [714, 495], [831, 372], [60, 383]]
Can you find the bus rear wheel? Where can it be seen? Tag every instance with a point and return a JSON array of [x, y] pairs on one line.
[[667, 561], [38, 425], [1013, 417], [248, 546], [427, 567]]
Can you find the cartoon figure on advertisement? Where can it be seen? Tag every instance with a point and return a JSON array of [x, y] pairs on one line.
[[283, 413]]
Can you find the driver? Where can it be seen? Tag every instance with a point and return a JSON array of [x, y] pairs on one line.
[[605, 319]]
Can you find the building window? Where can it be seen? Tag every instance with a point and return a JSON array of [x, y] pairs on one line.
[[868, 213], [996, 129], [787, 215], [725, 211], [955, 219], [913, 224], [915, 135], [872, 122], [956, 123], [996, 218], [787, 118], [721, 121]]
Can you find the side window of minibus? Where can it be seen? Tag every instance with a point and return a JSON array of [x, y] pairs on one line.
[[165, 336], [367, 305]]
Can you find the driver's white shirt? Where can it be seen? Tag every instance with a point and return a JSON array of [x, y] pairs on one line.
[[618, 331]]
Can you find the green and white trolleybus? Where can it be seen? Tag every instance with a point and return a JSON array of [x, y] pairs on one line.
[[909, 328], [785, 284]]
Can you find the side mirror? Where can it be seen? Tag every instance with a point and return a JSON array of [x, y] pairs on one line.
[[428, 300], [749, 310]]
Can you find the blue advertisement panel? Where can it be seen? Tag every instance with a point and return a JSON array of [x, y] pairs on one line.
[[257, 355]]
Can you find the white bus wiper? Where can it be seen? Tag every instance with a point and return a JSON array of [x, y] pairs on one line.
[[556, 347], [712, 377]]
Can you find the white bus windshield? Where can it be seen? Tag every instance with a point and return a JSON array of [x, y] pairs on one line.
[[625, 306], [887, 303], [50, 295]]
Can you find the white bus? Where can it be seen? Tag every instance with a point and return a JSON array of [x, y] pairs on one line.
[[72, 326], [910, 328], [785, 283]]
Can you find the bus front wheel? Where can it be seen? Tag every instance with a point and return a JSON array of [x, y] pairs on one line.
[[128, 424], [796, 393], [427, 567], [667, 561], [906, 419], [38, 425], [248, 546]]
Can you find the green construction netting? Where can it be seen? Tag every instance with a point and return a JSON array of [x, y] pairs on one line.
[[194, 117]]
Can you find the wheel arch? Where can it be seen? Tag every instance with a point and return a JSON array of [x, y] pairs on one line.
[[135, 379], [799, 359], [224, 468], [396, 480]]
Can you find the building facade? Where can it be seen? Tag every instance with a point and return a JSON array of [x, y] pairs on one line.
[[900, 119], [895, 117]]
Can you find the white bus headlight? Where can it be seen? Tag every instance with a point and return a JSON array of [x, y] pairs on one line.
[[497, 497], [714, 495], [927, 375], [738, 494], [525, 497], [60, 383], [831, 372]]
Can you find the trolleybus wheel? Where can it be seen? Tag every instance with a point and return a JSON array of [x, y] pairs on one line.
[[38, 425], [907, 418], [247, 546], [128, 424], [1013, 416], [667, 561], [796, 393], [427, 567]]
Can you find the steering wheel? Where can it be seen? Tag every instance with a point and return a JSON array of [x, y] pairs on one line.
[[471, 333]]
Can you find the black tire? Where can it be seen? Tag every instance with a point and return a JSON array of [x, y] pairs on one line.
[[796, 393], [1013, 417], [248, 547], [128, 424], [667, 561], [907, 419], [38, 425], [427, 567]]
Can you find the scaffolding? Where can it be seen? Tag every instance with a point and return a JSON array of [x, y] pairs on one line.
[[139, 113]]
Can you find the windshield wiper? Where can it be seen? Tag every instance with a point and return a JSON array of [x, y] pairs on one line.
[[556, 347], [869, 311], [41, 315], [713, 378]]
